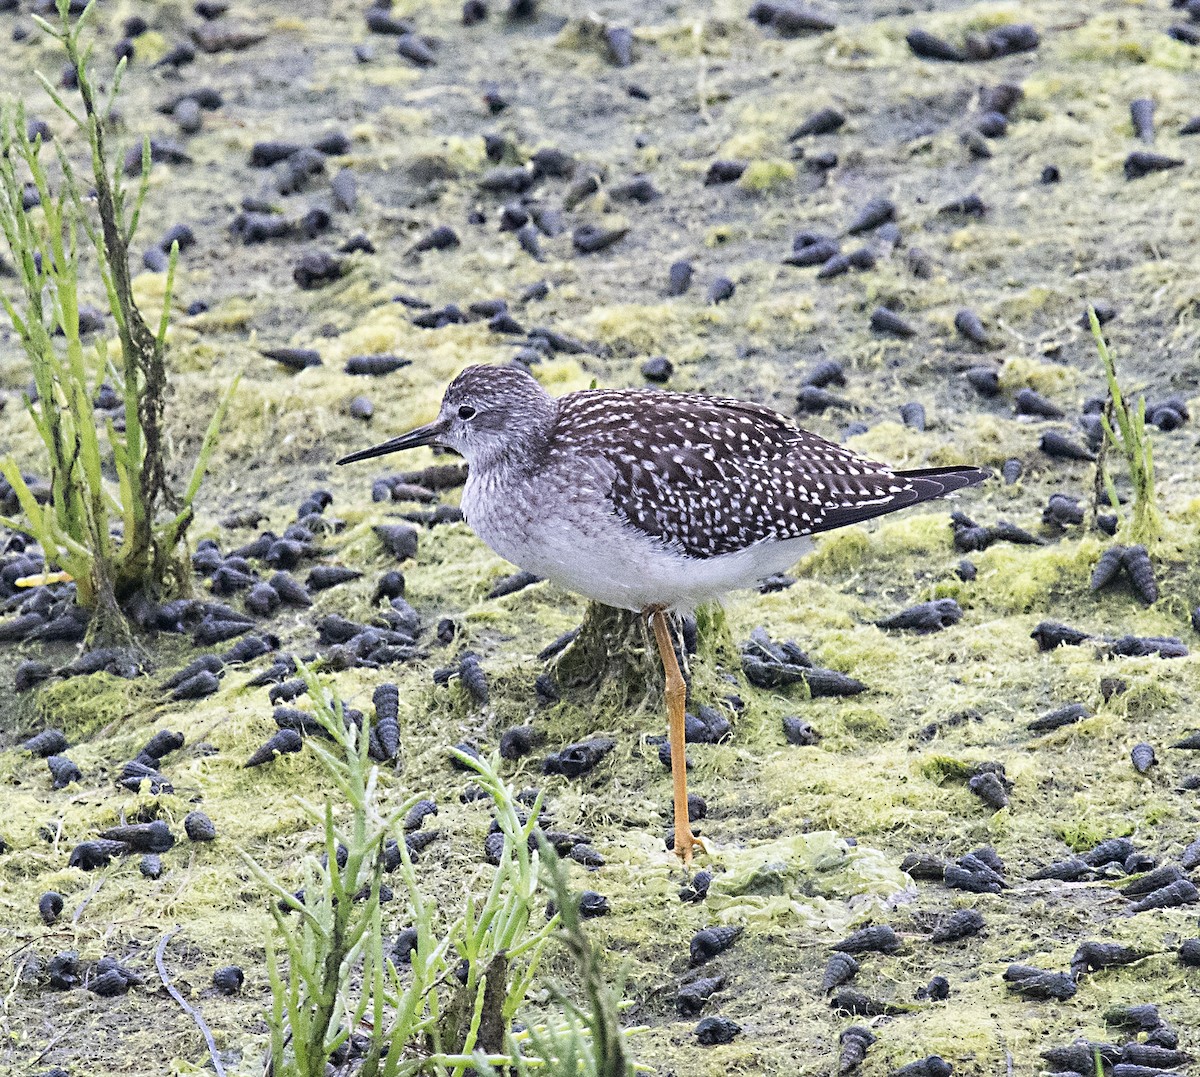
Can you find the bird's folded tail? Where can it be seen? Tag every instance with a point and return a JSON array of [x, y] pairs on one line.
[[931, 482], [921, 484]]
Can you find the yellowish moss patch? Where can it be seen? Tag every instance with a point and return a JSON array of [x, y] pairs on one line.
[[1020, 372], [766, 175]]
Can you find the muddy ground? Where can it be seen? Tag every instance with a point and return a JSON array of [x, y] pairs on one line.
[[705, 83]]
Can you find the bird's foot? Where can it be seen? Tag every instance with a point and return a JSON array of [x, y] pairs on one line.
[[688, 843]]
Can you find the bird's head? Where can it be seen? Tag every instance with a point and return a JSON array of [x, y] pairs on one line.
[[487, 413]]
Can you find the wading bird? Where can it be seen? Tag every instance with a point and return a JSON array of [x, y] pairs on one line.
[[653, 501]]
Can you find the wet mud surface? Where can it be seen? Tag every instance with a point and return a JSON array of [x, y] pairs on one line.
[[915, 803]]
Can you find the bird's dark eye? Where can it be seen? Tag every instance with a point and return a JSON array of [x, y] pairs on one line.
[[466, 412]]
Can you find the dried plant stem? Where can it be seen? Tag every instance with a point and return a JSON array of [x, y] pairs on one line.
[[191, 1011]]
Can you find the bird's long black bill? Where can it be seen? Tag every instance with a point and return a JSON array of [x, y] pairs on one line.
[[414, 439]]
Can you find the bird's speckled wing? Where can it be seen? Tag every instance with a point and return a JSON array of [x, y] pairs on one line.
[[711, 476]]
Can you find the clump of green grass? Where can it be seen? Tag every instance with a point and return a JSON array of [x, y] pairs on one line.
[[1125, 432], [452, 1007], [590, 1041], [113, 540]]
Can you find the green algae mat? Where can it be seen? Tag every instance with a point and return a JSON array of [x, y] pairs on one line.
[[951, 800]]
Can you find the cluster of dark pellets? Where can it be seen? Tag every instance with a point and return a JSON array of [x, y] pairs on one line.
[[423, 485], [991, 785], [391, 638], [843, 966], [978, 872], [231, 573], [537, 342], [296, 169], [824, 252], [566, 843], [416, 837], [978, 46], [388, 859], [51, 745], [1149, 885], [1168, 413], [141, 774], [709, 725], [469, 672], [322, 167], [294, 725], [1132, 561], [107, 978], [1052, 634], [767, 664], [925, 617], [1143, 646], [148, 838], [48, 613], [971, 537], [879, 215], [1151, 1049], [704, 725], [701, 982], [202, 676]]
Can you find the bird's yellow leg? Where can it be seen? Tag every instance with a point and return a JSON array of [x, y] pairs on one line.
[[676, 693]]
